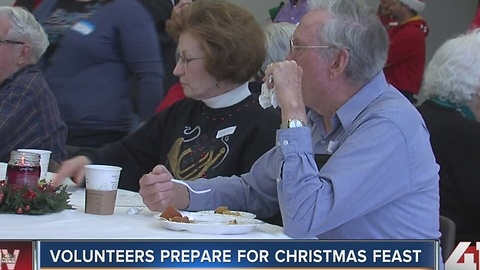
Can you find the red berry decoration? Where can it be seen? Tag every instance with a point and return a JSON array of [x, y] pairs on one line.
[[33, 200]]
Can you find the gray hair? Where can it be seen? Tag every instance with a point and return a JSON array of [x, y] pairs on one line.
[[277, 43], [453, 74], [354, 26], [24, 27]]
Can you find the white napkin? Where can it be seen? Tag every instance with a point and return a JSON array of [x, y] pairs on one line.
[[268, 97]]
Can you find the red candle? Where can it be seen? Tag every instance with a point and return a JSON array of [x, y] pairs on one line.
[[23, 169]]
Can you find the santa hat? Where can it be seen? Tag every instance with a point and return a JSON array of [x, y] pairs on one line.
[[417, 5]]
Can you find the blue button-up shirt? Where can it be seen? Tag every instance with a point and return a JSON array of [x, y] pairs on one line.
[[380, 182]]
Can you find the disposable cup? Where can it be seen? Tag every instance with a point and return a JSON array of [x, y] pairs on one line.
[[101, 188], [3, 170], [44, 160]]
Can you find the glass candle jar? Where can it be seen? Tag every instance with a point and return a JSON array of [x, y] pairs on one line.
[[23, 169]]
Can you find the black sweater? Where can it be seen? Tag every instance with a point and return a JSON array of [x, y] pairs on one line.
[[187, 139], [456, 143]]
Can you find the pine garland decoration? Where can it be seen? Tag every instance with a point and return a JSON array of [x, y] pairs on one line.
[[37, 200]]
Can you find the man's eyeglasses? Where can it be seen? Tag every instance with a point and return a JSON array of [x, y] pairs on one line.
[[7, 41], [184, 60], [294, 47]]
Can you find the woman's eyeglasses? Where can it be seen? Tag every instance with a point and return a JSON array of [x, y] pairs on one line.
[[7, 41], [294, 47], [184, 60]]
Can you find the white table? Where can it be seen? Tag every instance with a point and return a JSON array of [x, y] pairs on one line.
[[76, 224]]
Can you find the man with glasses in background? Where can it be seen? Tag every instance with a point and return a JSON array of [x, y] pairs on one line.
[[358, 166], [29, 115]]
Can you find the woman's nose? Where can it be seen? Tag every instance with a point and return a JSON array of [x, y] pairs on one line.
[[178, 70]]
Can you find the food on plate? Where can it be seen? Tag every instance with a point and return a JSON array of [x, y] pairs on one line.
[[224, 210], [180, 219], [217, 216], [172, 214]]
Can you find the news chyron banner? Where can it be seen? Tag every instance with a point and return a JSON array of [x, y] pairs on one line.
[[231, 254], [17, 255]]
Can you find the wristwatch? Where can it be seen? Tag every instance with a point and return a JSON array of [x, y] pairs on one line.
[[293, 123]]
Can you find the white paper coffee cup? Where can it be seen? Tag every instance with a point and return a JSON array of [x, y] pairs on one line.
[[102, 177], [101, 188]]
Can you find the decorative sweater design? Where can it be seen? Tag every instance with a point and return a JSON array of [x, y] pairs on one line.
[[193, 140]]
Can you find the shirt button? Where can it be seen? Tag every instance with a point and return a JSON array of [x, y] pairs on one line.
[[285, 142], [278, 143], [278, 179]]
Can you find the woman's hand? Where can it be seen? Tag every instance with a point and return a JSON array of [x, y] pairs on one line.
[[75, 168]]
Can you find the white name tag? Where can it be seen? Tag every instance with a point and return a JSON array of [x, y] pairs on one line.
[[332, 147], [226, 131], [83, 27]]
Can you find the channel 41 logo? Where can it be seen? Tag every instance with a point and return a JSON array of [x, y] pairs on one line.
[[464, 257], [16, 255]]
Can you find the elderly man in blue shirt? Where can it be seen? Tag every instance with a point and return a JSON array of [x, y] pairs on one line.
[[358, 166]]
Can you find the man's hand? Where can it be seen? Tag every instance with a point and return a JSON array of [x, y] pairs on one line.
[[286, 78], [158, 191]]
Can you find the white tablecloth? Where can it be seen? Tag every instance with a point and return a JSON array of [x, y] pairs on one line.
[[76, 224]]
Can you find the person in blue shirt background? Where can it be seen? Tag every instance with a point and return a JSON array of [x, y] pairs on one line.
[[96, 46]]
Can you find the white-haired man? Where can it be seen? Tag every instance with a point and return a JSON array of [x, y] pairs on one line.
[[29, 115], [407, 50]]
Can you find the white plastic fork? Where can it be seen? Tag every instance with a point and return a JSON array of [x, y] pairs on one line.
[[135, 210], [190, 188]]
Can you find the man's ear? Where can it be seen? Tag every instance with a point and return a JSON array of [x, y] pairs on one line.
[[25, 53], [339, 63]]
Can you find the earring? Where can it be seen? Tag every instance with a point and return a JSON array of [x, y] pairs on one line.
[[218, 84]]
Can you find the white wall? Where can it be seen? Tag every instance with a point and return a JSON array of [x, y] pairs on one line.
[[259, 8], [6, 2], [446, 18]]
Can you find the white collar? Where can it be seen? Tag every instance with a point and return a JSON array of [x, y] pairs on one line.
[[229, 98]]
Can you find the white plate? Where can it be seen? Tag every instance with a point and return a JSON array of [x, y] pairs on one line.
[[233, 214], [210, 224]]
